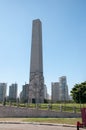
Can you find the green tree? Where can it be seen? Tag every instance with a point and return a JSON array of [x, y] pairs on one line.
[[78, 92]]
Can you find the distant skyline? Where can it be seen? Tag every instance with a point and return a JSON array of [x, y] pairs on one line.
[[63, 36]]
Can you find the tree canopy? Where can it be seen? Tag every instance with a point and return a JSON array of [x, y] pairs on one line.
[[78, 92]]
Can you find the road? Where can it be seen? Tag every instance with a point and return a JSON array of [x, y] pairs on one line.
[[34, 127]]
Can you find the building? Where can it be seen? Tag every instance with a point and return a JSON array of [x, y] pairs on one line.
[[60, 90], [13, 92], [3, 87], [36, 81], [24, 94], [63, 89], [55, 91]]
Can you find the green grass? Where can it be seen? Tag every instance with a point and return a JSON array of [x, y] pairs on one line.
[[66, 107], [71, 121]]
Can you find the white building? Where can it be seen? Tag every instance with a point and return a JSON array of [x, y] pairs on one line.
[[60, 90], [55, 91]]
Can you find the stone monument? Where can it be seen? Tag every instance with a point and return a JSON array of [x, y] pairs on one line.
[[36, 81]]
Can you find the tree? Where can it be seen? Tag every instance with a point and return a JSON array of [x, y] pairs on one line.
[[78, 92]]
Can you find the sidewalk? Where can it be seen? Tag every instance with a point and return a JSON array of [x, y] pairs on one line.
[[36, 123]]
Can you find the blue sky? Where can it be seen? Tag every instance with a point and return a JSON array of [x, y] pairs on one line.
[[64, 40]]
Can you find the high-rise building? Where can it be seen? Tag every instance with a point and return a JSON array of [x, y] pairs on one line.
[[13, 92], [36, 82], [55, 91], [3, 87], [60, 90], [24, 94], [63, 88]]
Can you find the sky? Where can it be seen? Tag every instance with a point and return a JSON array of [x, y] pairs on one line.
[[63, 37]]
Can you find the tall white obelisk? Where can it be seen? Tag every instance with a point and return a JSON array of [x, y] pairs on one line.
[[36, 82]]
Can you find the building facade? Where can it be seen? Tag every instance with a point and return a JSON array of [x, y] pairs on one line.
[[55, 91], [36, 81], [60, 90], [3, 87], [24, 94], [63, 88], [13, 92]]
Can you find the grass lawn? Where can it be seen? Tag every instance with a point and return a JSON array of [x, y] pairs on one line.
[[71, 121]]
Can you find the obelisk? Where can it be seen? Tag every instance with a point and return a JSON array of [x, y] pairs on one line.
[[36, 82]]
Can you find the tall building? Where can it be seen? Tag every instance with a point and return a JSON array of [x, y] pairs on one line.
[[55, 91], [36, 81], [63, 88], [24, 94], [13, 92], [60, 90], [3, 87]]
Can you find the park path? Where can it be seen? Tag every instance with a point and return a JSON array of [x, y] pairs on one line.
[[34, 127]]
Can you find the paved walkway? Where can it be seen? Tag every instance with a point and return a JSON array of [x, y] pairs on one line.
[[23, 126], [32, 127]]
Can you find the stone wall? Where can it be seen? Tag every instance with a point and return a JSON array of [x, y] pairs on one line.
[[10, 111]]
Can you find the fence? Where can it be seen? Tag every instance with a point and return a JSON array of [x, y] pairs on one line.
[[52, 107]]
